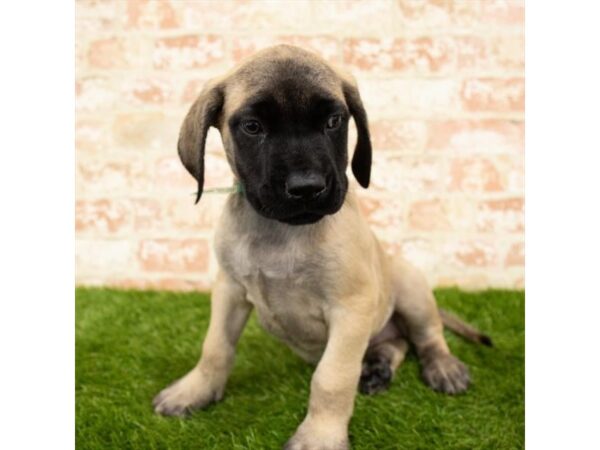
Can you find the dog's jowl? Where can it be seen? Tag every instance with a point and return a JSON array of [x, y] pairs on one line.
[[292, 244]]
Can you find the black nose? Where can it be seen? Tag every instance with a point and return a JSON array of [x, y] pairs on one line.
[[305, 186]]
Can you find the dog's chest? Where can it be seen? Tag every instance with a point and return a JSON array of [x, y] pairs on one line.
[[284, 281]]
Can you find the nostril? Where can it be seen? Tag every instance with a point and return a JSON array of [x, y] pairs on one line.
[[305, 186]]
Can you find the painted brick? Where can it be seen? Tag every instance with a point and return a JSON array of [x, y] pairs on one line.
[[112, 94], [166, 255], [177, 213], [170, 175], [188, 52], [92, 135], [383, 213], [471, 253], [186, 216], [504, 215], [503, 12], [423, 55], [428, 215], [422, 253], [442, 82], [103, 257], [464, 14], [95, 94], [400, 175], [453, 14], [256, 17], [418, 249], [113, 53], [101, 217], [151, 90], [216, 16], [515, 255], [476, 174], [370, 205], [486, 15], [146, 130], [517, 283], [93, 17], [484, 136], [404, 135], [151, 14], [326, 46], [441, 214], [355, 17], [512, 168], [489, 94], [148, 214], [217, 172], [436, 54], [110, 176], [431, 14], [214, 147], [393, 98], [192, 90], [499, 54]]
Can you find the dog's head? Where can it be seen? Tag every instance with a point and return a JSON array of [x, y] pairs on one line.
[[283, 117]]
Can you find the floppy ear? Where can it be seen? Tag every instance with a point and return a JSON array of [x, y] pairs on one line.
[[361, 160], [203, 114]]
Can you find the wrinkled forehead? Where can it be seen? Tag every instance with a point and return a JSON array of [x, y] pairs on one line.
[[289, 101], [287, 85]]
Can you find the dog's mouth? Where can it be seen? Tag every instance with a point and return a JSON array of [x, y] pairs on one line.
[[304, 214], [297, 214], [302, 219]]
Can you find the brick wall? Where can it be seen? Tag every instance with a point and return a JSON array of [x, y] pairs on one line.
[[442, 82]]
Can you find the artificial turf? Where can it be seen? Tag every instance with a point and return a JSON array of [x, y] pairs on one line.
[[130, 344]]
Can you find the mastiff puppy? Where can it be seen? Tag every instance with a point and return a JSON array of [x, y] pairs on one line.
[[293, 245]]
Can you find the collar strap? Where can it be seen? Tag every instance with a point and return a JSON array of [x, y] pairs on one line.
[[237, 188]]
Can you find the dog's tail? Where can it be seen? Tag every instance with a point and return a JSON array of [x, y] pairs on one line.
[[463, 329]]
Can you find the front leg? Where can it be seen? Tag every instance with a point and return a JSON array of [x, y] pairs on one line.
[[334, 384], [205, 383]]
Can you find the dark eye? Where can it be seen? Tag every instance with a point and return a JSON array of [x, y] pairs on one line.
[[251, 127], [334, 121]]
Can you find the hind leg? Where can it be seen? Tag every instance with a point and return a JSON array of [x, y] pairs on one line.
[[415, 304], [380, 364]]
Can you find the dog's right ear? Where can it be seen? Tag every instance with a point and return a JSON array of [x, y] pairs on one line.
[[203, 114]]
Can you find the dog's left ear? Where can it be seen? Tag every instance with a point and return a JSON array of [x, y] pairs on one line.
[[203, 114], [361, 160]]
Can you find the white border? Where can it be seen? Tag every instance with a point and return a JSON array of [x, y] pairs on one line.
[[563, 225], [37, 226]]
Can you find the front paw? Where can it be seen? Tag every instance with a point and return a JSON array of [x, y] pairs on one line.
[[446, 373], [193, 391], [312, 435]]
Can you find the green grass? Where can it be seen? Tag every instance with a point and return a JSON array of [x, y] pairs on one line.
[[129, 345]]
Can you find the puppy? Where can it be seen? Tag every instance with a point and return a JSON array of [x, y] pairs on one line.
[[293, 245]]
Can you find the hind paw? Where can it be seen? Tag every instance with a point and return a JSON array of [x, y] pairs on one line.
[[376, 376], [446, 373]]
